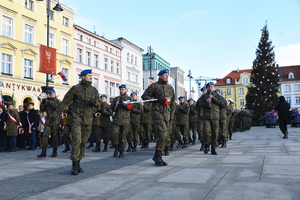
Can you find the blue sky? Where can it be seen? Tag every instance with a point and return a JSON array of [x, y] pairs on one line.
[[209, 37]]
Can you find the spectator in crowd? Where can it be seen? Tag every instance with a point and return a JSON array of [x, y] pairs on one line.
[[12, 122], [3, 117], [41, 126], [22, 128], [33, 122]]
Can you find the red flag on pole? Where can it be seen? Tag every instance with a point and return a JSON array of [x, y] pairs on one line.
[[47, 60]]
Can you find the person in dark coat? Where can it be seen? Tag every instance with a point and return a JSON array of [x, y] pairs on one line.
[[22, 129], [12, 122], [33, 123], [283, 113], [3, 117]]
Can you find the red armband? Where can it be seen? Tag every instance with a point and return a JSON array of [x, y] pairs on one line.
[[129, 106]]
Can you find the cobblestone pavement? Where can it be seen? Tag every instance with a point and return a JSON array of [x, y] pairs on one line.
[[257, 164]]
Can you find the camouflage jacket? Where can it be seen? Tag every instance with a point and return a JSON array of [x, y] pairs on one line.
[[216, 102], [193, 114], [105, 112], [121, 115], [160, 111], [182, 114], [49, 106], [135, 113], [82, 107], [146, 115]]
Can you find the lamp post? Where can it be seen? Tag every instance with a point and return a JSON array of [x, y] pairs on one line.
[[191, 77], [151, 57], [57, 8]]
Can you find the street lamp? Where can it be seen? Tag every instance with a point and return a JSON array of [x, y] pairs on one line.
[[191, 77], [151, 57], [57, 8]]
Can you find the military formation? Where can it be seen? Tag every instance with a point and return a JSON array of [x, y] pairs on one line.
[[129, 122]]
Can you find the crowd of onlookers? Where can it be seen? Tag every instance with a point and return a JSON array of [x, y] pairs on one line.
[[271, 118]]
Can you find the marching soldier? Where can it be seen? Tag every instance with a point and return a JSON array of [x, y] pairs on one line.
[[172, 131], [193, 119], [85, 97], [135, 118], [231, 124], [182, 121], [104, 128], [49, 105], [211, 103], [162, 112], [146, 125], [121, 121], [242, 119], [200, 121]]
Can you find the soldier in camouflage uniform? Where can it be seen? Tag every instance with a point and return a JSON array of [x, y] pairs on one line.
[[231, 124], [193, 119], [121, 121], [162, 112], [49, 105], [104, 127], [85, 98], [211, 103], [172, 131], [182, 121], [200, 121], [241, 116], [146, 125], [67, 128], [135, 118]]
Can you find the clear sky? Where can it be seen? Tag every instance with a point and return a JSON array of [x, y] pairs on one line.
[[211, 37]]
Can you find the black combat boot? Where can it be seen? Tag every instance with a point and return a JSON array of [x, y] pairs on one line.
[[105, 148], [171, 147], [179, 144], [230, 137], [285, 135], [121, 155], [134, 148], [206, 148], [224, 143], [116, 152], [213, 150], [97, 148], [184, 144], [67, 148], [163, 162], [194, 141], [54, 153], [167, 151], [129, 147], [147, 145], [43, 153], [75, 167], [90, 145], [79, 168], [202, 147], [156, 158]]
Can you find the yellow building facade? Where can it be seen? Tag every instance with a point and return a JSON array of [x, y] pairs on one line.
[[234, 86], [23, 28]]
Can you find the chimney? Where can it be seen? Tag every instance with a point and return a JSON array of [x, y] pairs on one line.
[[238, 70]]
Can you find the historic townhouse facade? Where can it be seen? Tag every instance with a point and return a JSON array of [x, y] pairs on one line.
[[132, 71], [92, 51], [23, 28]]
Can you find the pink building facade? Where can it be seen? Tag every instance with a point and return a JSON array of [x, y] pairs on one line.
[[92, 51]]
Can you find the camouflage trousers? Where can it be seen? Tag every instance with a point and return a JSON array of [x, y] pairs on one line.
[[230, 127], [172, 131], [210, 131], [132, 135], [223, 130], [145, 132], [161, 134], [119, 134], [200, 130], [66, 134], [48, 130], [193, 127], [80, 135], [102, 132], [184, 130]]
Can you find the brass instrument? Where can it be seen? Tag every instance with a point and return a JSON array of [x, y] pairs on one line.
[[41, 96], [65, 120], [98, 115], [231, 103]]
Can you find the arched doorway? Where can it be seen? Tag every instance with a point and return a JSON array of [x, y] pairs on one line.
[[26, 102]]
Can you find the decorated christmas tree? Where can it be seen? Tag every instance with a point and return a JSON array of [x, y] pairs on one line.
[[262, 95]]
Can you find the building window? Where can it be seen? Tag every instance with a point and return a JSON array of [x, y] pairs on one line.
[[88, 58], [297, 100], [65, 21], [95, 60], [221, 91], [117, 53], [132, 59], [67, 73], [288, 99], [135, 61], [65, 49], [111, 89], [144, 66], [51, 15], [96, 83], [28, 33], [29, 4], [6, 26], [105, 63], [51, 40], [242, 102], [128, 76], [106, 87], [106, 48], [111, 50], [291, 75], [6, 64], [127, 57], [112, 66], [95, 43], [81, 37], [90, 41], [228, 80], [245, 80], [79, 55], [117, 68], [27, 68], [228, 91], [297, 87], [241, 91], [287, 88]]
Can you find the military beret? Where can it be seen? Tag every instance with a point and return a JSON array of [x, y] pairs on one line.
[[190, 100], [122, 86], [203, 88], [163, 71], [217, 90], [133, 93], [181, 97], [51, 91], [85, 72], [209, 83], [103, 95]]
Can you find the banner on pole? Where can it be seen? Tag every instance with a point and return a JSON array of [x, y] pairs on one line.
[[47, 60]]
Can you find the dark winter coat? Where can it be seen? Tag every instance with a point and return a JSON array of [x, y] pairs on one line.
[[33, 117], [12, 127], [3, 117], [283, 109]]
